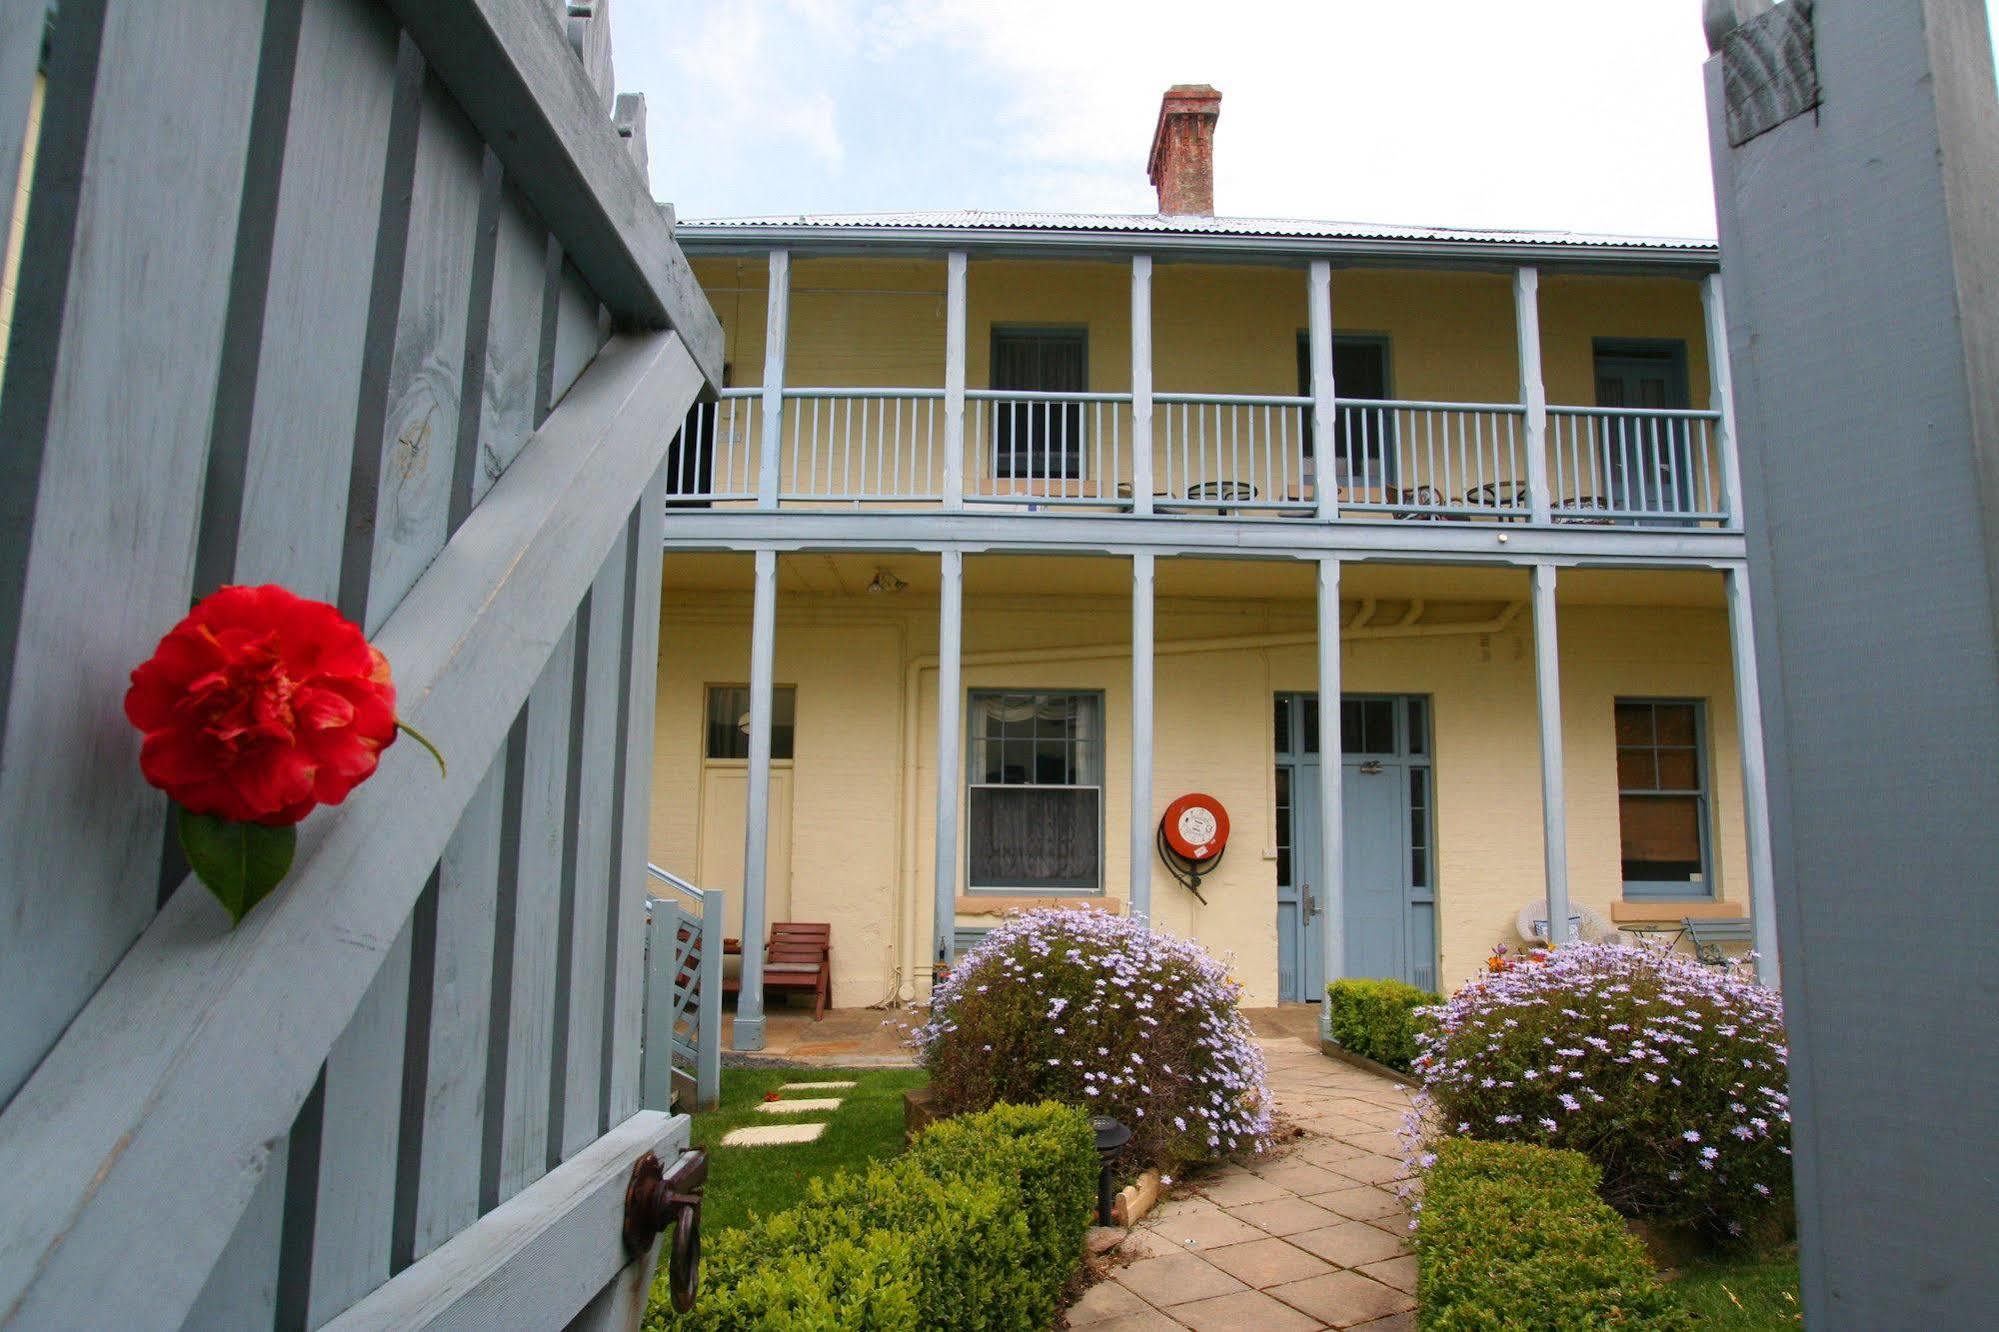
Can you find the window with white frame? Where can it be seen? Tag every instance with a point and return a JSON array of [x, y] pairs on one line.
[[1034, 812], [1662, 798]]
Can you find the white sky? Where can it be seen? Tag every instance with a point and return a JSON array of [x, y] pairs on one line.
[[1580, 114]]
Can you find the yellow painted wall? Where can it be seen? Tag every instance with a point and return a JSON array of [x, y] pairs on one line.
[[1216, 328], [864, 782]]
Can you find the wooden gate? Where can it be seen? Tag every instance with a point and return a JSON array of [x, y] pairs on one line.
[[369, 298]]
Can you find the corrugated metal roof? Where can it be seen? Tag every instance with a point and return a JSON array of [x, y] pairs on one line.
[[977, 220]]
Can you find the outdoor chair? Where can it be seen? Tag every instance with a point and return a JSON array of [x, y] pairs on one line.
[[1711, 937], [1587, 509], [1429, 497], [798, 957], [1499, 495]]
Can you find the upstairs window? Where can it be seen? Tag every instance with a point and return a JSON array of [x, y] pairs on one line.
[[1662, 798], [729, 721], [1037, 439], [1034, 816], [1363, 437]]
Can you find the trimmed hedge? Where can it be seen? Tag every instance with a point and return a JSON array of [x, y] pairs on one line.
[[980, 1225], [1513, 1236], [1377, 1018]]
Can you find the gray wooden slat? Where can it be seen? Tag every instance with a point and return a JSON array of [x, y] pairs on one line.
[[513, 339], [540, 1258], [530, 1030], [447, 1197], [420, 429], [123, 282], [627, 887], [576, 339], [628, 116], [529, 96], [242, 1291], [111, 1147], [315, 309], [590, 37], [593, 857], [465, 462], [20, 57], [359, 1126]]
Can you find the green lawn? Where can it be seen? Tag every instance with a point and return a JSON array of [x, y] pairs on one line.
[[746, 1180], [1751, 1296]]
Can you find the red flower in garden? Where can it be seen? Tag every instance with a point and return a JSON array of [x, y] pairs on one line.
[[260, 705]]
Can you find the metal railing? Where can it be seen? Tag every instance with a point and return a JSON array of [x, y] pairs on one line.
[[1053, 449], [683, 992], [1228, 453], [1430, 459], [1634, 465]]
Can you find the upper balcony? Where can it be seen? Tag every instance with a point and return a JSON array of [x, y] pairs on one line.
[[1280, 392]]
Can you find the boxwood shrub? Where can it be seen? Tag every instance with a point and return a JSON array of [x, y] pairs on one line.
[[1512, 1236], [1377, 1018], [980, 1224]]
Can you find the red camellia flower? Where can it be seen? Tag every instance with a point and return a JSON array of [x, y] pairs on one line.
[[260, 705]]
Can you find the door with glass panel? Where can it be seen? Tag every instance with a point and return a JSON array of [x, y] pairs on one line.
[[1645, 461], [1387, 830]]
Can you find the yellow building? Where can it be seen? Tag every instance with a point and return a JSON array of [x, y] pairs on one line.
[[1013, 529]]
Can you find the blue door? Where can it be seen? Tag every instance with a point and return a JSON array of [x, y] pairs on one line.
[[1387, 831]]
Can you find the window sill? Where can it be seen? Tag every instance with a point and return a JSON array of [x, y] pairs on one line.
[[1664, 910], [997, 904]]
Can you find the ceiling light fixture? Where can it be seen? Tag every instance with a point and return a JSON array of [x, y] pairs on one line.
[[884, 581]]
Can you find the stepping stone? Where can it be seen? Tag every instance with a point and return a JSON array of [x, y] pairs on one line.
[[815, 1086], [800, 1106], [769, 1135]]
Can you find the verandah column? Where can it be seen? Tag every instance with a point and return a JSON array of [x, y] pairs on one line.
[[749, 1028], [1325, 405], [1548, 704], [954, 380], [777, 321], [1755, 782], [1332, 826], [1141, 384], [1533, 391], [950, 725], [1141, 735], [1721, 396]]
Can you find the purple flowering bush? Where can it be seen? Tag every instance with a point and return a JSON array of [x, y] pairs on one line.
[[1670, 1075], [1102, 1012]]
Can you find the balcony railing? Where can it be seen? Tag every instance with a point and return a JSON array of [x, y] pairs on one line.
[[1212, 455]]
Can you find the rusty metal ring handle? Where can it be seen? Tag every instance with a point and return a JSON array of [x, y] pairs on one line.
[[659, 1196]]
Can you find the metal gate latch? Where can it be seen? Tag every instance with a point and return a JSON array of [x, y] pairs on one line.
[[658, 1197]]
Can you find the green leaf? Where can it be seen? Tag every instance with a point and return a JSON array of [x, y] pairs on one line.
[[239, 862]]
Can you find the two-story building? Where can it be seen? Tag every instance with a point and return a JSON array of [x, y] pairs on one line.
[[1013, 528]]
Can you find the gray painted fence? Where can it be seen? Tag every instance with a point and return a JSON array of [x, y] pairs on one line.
[[683, 994], [322, 292]]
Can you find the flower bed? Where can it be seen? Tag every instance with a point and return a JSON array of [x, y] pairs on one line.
[[1102, 1012], [1377, 1019], [1514, 1236], [981, 1222], [1669, 1075]]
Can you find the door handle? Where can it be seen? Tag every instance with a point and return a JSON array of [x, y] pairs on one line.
[[1311, 907]]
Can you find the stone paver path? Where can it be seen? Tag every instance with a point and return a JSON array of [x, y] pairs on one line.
[[1308, 1236]]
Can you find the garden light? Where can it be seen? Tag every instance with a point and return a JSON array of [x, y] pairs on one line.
[[1111, 1138]]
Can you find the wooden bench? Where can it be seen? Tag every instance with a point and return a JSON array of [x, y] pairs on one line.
[[798, 957], [1711, 937]]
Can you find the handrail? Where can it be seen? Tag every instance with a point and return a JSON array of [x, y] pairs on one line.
[[1419, 404], [1035, 395], [864, 391], [672, 880], [1676, 413], [1234, 399]]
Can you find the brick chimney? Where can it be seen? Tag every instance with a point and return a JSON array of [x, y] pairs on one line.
[[1182, 162]]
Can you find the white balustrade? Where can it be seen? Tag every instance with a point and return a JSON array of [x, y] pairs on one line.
[[1430, 459], [1634, 465], [1052, 449], [1227, 454], [714, 457], [854, 445]]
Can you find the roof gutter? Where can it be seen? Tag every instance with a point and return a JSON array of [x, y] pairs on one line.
[[1026, 242]]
